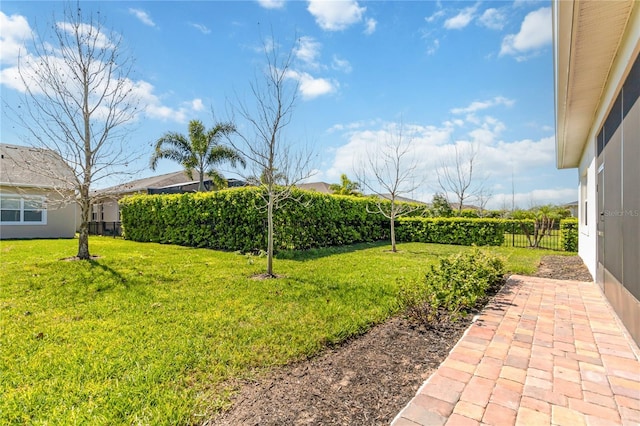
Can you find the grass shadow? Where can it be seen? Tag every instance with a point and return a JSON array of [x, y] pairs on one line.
[[318, 253], [117, 276]]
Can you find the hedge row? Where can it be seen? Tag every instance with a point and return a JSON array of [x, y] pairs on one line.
[[235, 219], [454, 230]]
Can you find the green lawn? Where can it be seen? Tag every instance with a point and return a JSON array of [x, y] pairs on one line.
[[154, 334]]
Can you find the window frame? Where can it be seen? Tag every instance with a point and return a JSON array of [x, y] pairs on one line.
[[27, 207]]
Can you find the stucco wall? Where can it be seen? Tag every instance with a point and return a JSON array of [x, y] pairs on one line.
[[587, 241], [61, 218]]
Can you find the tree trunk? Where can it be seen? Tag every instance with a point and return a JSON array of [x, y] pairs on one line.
[[83, 241], [393, 233], [270, 234]]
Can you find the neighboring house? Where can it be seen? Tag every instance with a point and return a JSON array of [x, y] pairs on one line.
[[401, 199], [597, 86], [37, 197], [321, 187], [572, 207], [105, 201]]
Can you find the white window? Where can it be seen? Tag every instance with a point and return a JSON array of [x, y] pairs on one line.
[[18, 210]]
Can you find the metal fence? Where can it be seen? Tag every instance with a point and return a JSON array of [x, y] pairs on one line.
[[110, 229], [515, 236]]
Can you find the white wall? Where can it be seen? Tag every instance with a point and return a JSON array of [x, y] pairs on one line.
[[587, 241]]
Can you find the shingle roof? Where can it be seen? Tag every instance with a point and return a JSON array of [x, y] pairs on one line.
[[321, 187], [23, 166], [160, 181]]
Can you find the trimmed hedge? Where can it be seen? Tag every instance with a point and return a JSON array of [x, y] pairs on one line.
[[235, 219], [569, 234], [454, 230]]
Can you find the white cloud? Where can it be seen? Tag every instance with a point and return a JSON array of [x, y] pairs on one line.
[[272, 4], [435, 16], [493, 19], [370, 26], [341, 64], [197, 104], [12, 78], [535, 34], [487, 132], [368, 137], [155, 109], [433, 47], [311, 87], [15, 31], [520, 156], [537, 197], [432, 146], [480, 105], [462, 19], [308, 50], [336, 15], [200, 27], [142, 16]]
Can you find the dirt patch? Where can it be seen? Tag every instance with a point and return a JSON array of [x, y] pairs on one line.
[[366, 380], [563, 268], [74, 258]]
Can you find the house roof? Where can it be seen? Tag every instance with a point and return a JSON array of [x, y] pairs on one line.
[[321, 187], [167, 180], [28, 167], [400, 199], [141, 185], [587, 41]]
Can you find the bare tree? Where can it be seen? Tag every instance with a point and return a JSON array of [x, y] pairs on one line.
[[457, 176], [77, 97], [275, 163], [393, 175], [483, 195]]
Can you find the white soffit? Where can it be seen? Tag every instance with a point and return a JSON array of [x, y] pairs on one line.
[[588, 36]]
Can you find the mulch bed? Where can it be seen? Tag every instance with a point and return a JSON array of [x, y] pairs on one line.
[[366, 380]]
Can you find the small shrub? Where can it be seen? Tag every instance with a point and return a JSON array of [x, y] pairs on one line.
[[451, 288], [569, 234]]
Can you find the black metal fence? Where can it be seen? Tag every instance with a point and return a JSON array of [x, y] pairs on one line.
[[110, 229], [524, 234]]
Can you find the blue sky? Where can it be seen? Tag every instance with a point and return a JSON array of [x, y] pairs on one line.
[[473, 74]]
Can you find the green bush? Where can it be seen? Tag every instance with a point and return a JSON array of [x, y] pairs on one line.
[[569, 234], [235, 219], [451, 288], [456, 230], [469, 213]]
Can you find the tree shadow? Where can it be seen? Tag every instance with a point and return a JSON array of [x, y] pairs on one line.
[[500, 301], [319, 253], [117, 276]]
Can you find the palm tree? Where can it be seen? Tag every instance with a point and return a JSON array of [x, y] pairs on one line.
[[200, 151], [345, 187]]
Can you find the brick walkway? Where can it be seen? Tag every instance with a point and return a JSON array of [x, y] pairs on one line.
[[545, 352]]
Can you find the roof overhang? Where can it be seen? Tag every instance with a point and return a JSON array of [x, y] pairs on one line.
[[586, 38]]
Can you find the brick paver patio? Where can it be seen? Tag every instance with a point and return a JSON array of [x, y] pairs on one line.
[[545, 352]]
